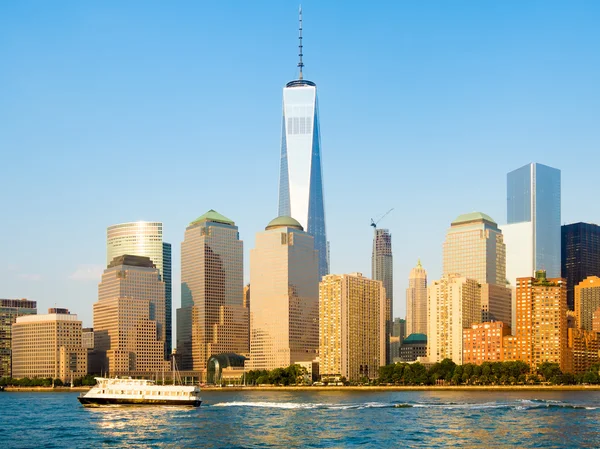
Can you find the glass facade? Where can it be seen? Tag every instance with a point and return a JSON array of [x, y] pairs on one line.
[[10, 309], [145, 238], [533, 195], [301, 174]]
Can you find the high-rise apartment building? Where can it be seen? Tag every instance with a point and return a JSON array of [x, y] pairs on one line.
[[301, 173], [382, 269], [416, 301], [10, 309], [532, 233], [454, 303], [352, 324], [48, 346], [587, 301], [145, 238], [474, 248], [583, 348], [284, 275], [483, 342], [129, 317], [541, 315], [580, 255], [212, 318]]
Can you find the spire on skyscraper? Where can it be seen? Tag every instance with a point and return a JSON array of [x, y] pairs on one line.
[[300, 63]]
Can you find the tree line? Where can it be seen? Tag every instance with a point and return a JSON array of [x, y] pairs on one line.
[[88, 380], [447, 372], [292, 375]]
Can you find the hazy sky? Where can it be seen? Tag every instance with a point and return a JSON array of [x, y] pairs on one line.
[[141, 110]]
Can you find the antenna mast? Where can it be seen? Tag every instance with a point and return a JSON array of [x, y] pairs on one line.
[[300, 63]]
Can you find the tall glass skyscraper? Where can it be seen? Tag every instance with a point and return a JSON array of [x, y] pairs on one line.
[[301, 174], [145, 238]]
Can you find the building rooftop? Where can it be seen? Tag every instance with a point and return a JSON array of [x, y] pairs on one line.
[[214, 216], [284, 222], [473, 216], [415, 338], [132, 261]]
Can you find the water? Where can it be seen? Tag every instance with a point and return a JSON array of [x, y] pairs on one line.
[[328, 419]]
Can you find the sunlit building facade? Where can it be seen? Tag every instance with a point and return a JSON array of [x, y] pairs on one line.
[[10, 309], [352, 326], [212, 318], [145, 238], [586, 301], [483, 342], [129, 330], [48, 346], [416, 301], [284, 277], [454, 303], [474, 248]]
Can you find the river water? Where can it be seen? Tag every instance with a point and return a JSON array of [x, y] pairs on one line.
[[319, 419]]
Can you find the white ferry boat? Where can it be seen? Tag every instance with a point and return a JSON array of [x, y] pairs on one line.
[[139, 392]]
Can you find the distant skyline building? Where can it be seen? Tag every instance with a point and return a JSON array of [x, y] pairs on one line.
[[382, 269], [145, 238], [301, 173], [532, 233], [416, 301], [396, 338], [212, 318], [284, 280], [413, 347], [454, 303], [352, 326], [10, 309], [49, 346], [580, 255], [129, 318], [474, 248]]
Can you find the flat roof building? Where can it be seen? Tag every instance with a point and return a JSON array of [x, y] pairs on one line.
[[10, 309]]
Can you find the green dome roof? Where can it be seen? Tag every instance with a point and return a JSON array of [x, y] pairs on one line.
[[415, 338], [214, 216], [473, 216], [284, 222]]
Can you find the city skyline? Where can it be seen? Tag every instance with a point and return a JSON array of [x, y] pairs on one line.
[[58, 147]]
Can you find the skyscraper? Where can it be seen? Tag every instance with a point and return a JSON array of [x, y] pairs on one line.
[[212, 319], [382, 269], [10, 309], [129, 317], [352, 319], [532, 233], [145, 238], [284, 278], [301, 174], [454, 303], [416, 301], [474, 248], [580, 255]]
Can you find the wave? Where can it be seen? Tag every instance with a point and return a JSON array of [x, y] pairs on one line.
[[522, 404]]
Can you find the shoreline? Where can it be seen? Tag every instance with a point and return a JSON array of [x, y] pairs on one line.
[[341, 388]]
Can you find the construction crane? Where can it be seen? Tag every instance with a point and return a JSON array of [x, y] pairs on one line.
[[374, 223]]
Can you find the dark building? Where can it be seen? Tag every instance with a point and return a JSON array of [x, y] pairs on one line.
[[580, 255], [10, 310], [413, 346]]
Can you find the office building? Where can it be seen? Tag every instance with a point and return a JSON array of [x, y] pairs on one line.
[[145, 238], [129, 330], [10, 309], [87, 337], [541, 315], [586, 301], [352, 325], [284, 275], [382, 269], [212, 318], [483, 342], [583, 347], [413, 347], [301, 173], [454, 303], [416, 301], [532, 233], [474, 248], [580, 255], [48, 346]]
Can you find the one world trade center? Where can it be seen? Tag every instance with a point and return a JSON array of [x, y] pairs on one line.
[[301, 174]]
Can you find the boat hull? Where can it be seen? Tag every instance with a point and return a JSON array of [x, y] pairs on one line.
[[98, 402]]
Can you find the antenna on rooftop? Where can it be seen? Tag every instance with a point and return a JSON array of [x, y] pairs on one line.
[[300, 63]]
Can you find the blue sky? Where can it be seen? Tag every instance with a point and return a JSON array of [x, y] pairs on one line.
[[145, 110]]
